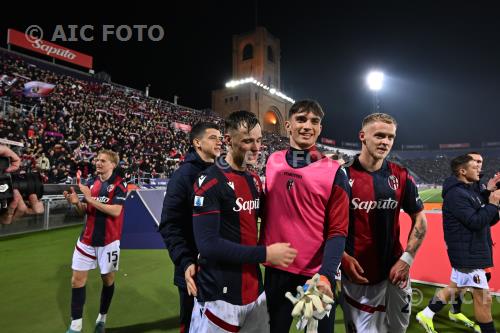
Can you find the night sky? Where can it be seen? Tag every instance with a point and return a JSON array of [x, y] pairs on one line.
[[442, 61]]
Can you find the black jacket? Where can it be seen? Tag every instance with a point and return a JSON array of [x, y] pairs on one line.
[[466, 221], [176, 224]]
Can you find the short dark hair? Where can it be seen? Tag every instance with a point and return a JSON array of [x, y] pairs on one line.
[[459, 162], [473, 153], [239, 119], [199, 129], [306, 105]]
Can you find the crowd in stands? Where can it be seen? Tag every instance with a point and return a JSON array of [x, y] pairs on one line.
[[62, 131]]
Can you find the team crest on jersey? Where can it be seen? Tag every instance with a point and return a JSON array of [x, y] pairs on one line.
[[477, 279], [110, 188], [289, 184], [393, 182], [201, 180], [231, 185], [198, 201]]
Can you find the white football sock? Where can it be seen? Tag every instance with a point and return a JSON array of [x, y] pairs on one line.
[[101, 317], [76, 325]]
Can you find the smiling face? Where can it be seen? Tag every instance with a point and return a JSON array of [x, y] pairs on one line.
[[209, 144], [104, 165], [304, 129], [244, 145], [377, 138]]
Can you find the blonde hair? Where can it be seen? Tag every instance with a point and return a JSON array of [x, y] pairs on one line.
[[382, 117], [113, 156]]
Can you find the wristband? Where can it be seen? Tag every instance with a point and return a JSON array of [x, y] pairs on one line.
[[407, 258]]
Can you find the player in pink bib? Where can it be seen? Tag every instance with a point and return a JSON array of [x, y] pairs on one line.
[[306, 205]]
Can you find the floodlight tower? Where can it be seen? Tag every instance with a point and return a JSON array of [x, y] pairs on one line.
[[375, 81]]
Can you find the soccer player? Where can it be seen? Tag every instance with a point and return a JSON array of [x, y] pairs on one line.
[[230, 295], [376, 284], [176, 224], [484, 189], [307, 205], [467, 222], [99, 243]]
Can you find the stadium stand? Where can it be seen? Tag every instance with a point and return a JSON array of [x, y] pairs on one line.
[[64, 129]]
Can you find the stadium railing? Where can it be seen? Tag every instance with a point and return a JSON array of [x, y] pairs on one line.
[[58, 213]]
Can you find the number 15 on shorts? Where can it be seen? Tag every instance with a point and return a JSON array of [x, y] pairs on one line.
[[113, 258]]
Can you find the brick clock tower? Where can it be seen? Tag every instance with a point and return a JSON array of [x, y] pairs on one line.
[[255, 85]]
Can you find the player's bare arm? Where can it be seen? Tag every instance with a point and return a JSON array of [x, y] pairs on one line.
[[400, 271], [417, 233]]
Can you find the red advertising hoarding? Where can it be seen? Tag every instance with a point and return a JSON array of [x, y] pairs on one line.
[[453, 145], [20, 39], [328, 141]]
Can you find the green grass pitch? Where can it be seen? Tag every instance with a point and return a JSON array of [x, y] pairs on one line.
[[35, 289], [431, 195]]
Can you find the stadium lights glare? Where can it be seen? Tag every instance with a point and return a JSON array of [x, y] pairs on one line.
[[272, 91], [375, 80]]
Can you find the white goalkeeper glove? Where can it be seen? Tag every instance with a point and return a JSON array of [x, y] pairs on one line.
[[310, 305]]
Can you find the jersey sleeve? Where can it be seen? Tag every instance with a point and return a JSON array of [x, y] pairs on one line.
[[207, 205], [120, 195], [338, 224], [411, 202], [338, 206], [207, 196]]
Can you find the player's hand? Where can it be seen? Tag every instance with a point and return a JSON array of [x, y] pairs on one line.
[[494, 198], [353, 269], [399, 274], [189, 274], [85, 190], [492, 183], [71, 196], [18, 208], [280, 254], [323, 286]]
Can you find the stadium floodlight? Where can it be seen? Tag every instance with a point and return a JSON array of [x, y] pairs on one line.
[[375, 80], [272, 91]]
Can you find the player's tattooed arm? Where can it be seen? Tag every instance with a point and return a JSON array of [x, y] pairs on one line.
[[417, 234], [400, 271]]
